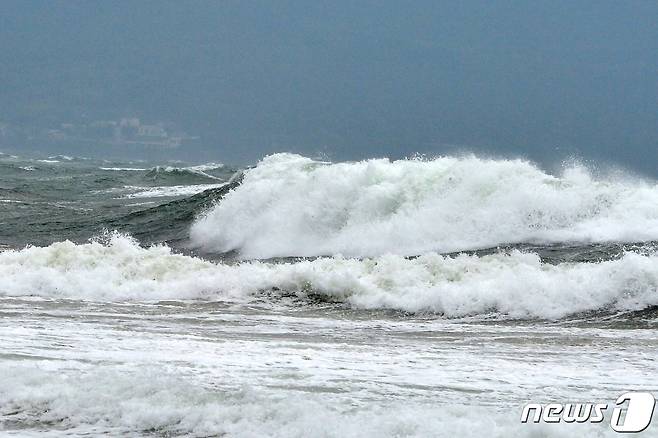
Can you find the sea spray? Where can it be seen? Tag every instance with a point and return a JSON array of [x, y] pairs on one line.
[[293, 206], [513, 284]]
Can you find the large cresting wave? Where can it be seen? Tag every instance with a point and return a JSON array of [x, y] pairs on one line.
[[514, 284], [289, 205]]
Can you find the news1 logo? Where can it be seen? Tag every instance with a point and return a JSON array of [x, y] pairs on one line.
[[632, 412]]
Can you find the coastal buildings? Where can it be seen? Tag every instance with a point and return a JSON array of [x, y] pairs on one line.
[[126, 131]]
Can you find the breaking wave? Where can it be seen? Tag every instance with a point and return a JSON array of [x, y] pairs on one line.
[[293, 206], [513, 284]]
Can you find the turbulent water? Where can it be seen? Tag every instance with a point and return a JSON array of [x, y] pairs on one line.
[[302, 298]]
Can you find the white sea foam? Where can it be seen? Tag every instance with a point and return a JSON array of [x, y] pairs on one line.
[[292, 206], [206, 167], [199, 170], [123, 169], [137, 192], [61, 157], [120, 401], [515, 284], [168, 191]]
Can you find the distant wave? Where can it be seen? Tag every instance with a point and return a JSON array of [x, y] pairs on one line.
[[194, 171], [64, 158], [123, 169], [514, 284], [206, 167], [168, 191], [158, 171], [290, 205], [132, 192]]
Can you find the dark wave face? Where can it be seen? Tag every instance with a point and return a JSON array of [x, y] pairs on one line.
[[43, 201]]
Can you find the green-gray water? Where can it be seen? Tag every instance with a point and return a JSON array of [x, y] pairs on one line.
[[178, 299]]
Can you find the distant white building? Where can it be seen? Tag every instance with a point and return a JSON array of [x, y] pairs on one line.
[[132, 122], [151, 131]]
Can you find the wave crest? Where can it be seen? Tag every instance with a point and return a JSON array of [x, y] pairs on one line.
[[514, 284], [293, 206], [178, 173]]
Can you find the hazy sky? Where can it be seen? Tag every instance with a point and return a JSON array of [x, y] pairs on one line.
[[349, 79]]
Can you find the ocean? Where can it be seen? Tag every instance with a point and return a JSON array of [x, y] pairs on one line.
[[305, 298]]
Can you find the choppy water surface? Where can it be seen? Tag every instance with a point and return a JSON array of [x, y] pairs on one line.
[[299, 298]]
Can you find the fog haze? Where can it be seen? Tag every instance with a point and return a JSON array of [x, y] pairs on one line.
[[236, 80]]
